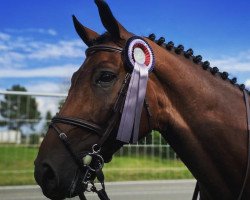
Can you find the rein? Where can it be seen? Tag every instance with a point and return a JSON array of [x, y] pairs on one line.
[[248, 156], [91, 163], [197, 188]]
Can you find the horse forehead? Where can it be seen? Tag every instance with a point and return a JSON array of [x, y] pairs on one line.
[[112, 60]]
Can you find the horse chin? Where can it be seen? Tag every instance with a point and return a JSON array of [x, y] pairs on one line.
[[76, 186], [107, 157], [108, 160]]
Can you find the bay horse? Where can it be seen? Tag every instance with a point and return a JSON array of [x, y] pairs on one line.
[[197, 109]]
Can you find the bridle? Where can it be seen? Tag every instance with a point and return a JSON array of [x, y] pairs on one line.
[[91, 163], [92, 169]]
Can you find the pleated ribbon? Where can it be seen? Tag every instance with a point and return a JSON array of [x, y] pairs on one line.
[[139, 57]]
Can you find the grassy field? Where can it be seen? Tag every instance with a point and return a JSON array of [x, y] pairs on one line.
[[16, 167]]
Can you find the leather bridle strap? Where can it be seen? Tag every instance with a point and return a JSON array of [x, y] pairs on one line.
[[63, 137], [102, 132], [115, 117], [116, 111], [78, 122], [196, 191], [99, 174], [97, 48], [246, 97], [86, 125]]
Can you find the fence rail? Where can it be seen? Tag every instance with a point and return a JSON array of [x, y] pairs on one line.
[[150, 158], [32, 94]]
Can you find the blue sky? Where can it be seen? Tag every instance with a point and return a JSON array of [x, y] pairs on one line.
[[40, 49]]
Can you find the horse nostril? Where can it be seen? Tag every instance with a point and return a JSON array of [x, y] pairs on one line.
[[49, 180], [49, 173]]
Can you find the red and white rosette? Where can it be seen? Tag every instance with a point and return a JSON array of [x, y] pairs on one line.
[[140, 60]]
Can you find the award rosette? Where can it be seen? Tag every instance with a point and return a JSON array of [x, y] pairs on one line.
[[139, 58]]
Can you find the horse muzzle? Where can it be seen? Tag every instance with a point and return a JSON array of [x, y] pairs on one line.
[[56, 186]]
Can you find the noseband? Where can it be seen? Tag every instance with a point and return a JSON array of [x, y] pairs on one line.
[[91, 163]]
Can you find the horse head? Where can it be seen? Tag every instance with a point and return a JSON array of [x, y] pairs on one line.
[[91, 112], [191, 104]]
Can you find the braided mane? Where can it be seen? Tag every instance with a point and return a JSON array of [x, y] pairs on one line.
[[189, 54]]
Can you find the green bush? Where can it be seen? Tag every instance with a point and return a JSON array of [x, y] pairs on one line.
[[34, 138]]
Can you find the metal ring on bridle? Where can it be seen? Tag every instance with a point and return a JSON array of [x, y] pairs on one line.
[[96, 148], [97, 162]]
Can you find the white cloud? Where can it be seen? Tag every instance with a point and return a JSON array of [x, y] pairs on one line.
[[247, 83], [52, 71], [10, 59], [4, 36], [67, 49], [51, 32], [3, 47], [238, 63], [45, 87], [22, 52], [47, 103], [19, 54]]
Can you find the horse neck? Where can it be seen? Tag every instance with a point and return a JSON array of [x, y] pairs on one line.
[[203, 119]]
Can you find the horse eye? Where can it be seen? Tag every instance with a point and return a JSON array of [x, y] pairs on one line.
[[105, 78]]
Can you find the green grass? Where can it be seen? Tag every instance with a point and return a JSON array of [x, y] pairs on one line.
[[145, 168], [16, 167]]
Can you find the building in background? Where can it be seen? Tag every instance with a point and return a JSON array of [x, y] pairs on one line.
[[10, 137]]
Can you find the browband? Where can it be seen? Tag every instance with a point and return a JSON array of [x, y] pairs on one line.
[[95, 48]]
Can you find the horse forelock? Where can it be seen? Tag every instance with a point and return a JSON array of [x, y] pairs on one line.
[[105, 38]]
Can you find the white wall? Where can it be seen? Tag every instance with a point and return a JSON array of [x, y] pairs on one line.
[[10, 136]]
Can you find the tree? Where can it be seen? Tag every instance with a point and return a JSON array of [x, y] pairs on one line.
[[60, 104], [34, 138], [19, 110], [48, 118]]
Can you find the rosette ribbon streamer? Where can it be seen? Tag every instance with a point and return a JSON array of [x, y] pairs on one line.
[[140, 60]]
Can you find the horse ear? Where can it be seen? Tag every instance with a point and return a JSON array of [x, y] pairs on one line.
[[109, 21], [85, 33]]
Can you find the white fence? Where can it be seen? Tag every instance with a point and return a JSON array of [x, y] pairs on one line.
[[26, 112], [19, 119], [17, 115]]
